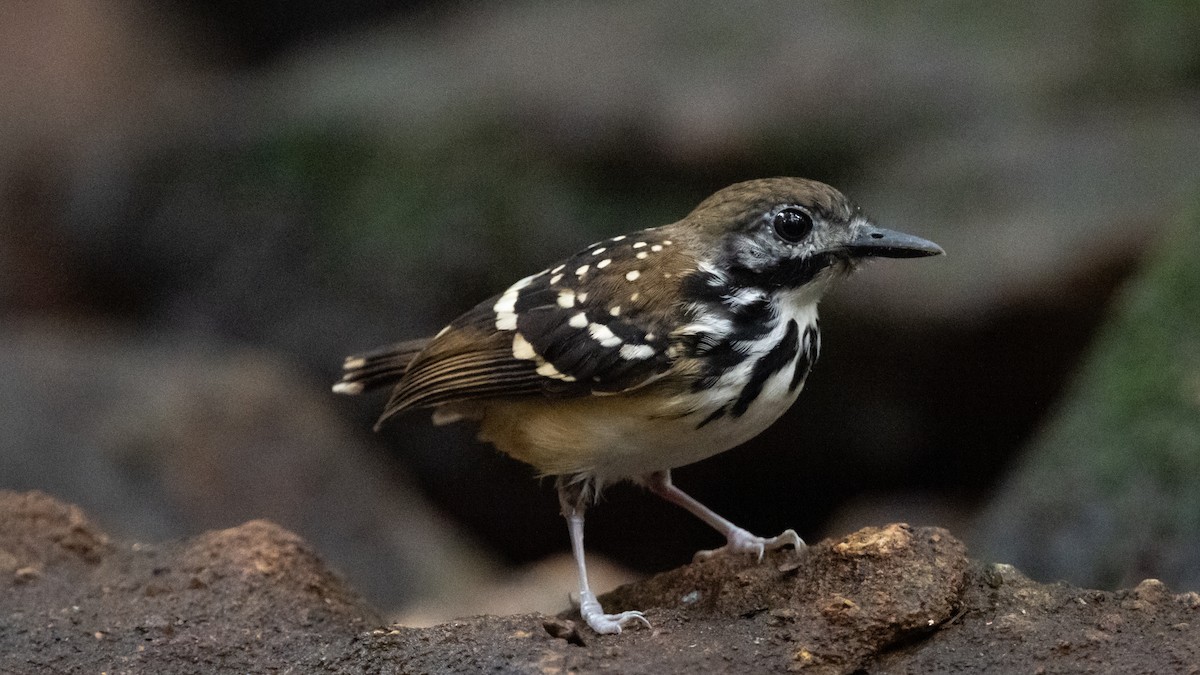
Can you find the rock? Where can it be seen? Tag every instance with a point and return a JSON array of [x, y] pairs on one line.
[[232, 600], [256, 598], [163, 438]]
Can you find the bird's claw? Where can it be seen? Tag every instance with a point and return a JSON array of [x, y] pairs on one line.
[[741, 542], [606, 624]]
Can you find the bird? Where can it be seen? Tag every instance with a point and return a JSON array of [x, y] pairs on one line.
[[645, 351]]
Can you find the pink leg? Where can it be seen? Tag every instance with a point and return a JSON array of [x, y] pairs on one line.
[[737, 540]]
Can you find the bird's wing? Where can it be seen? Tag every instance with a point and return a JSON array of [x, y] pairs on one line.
[[558, 333]]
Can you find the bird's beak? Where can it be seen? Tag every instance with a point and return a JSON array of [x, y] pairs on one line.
[[878, 242]]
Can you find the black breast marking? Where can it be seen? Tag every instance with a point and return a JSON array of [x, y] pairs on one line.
[[770, 363]]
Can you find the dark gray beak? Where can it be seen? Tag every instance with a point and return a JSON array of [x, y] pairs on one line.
[[881, 243]]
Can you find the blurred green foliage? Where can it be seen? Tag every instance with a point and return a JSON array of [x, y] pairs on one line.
[[1111, 490]]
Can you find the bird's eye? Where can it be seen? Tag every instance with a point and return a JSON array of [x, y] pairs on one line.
[[792, 225]]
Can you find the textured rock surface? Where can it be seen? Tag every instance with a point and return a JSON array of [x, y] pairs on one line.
[[164, 437], [256, 598]]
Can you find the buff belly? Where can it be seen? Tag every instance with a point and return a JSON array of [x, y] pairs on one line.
[[625, 436]]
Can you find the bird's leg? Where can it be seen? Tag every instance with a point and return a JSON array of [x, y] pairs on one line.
[[573, 498], [737, 540]]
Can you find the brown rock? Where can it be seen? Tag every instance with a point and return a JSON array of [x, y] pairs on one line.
[[255, 598]]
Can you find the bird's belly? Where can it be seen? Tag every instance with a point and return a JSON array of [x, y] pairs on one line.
[[625, 436]]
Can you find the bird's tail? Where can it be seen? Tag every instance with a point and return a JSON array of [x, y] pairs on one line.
[[378, 368]]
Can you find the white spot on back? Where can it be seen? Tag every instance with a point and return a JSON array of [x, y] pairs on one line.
[[642, 255], [632, 275], [603, 263], [578, 321], [656, 248], [667, 242], [566, 298], [639, 244], [581, 271], [615, 311]]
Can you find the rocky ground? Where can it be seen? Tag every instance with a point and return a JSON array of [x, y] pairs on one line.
[[257, 598]]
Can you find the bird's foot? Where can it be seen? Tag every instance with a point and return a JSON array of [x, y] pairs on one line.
[[606, 624], [741, 542]]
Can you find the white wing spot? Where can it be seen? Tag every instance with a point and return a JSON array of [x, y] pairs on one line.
[[632, 275], [656, 248], [442, 332], [521, 348], [642, 255], [634, 297], [566, 298], [649, 337], [620, 238], [639, 244], [582, 297], [578, 321], [598, 251], [555, 279], [667, 242], [600, 333], [581, 271], [615, 311], [636, 352], [603, 263], [558, 269], [506, 318], [547, 369]]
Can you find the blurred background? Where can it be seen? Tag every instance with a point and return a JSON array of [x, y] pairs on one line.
[[205, 205]]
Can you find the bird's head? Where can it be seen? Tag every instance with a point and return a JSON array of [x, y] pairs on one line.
[[784, 233]]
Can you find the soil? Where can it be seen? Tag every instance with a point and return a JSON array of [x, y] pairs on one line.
[[257, 598]]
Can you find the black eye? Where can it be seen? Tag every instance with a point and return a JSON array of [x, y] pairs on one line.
[[792, 225]]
